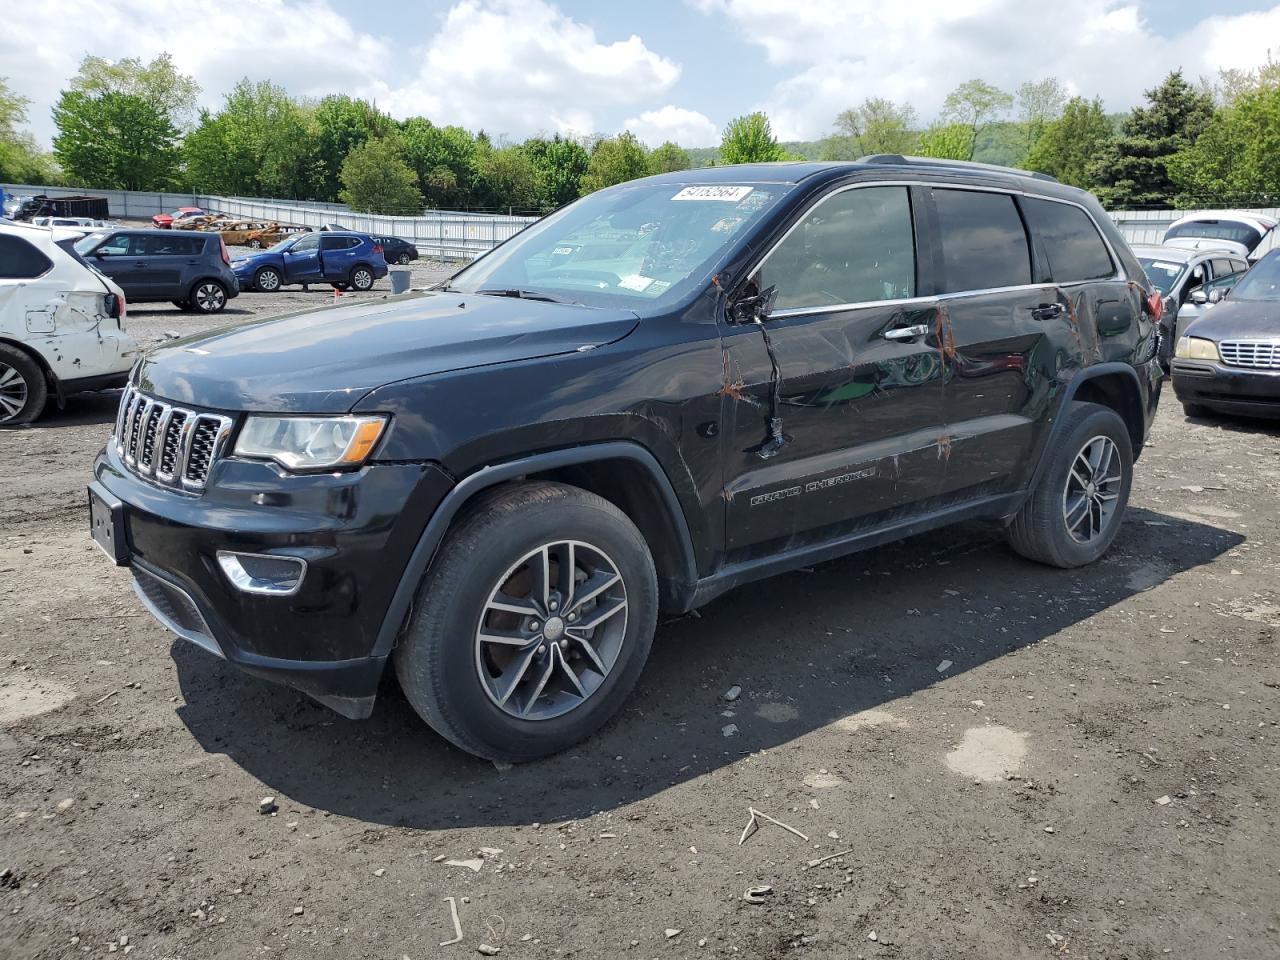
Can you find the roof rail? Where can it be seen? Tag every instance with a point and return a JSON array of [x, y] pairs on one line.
[[897, 158]]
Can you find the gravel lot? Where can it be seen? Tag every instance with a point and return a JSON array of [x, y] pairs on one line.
[[1019, 762]]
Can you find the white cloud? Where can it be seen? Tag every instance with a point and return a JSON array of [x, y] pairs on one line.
[[523, 66], [689, 128], [839, 52]]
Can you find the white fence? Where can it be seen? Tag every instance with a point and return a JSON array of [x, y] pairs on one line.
[[437, 233]]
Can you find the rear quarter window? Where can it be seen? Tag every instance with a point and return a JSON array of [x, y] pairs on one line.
[[984, 244], [19, 260], [1070, 240]]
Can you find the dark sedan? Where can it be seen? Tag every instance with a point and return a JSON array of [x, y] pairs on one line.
[[1228, 361], [396, 250]]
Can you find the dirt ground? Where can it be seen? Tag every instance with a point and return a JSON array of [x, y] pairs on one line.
[[1010, 761]]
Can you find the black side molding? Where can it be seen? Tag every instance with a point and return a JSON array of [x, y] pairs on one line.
[[497, 473]]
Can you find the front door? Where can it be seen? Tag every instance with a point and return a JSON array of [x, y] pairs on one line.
[[302, 260], [122, 258], [849, 438]]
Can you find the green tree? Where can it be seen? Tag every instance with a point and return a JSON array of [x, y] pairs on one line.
[[875, 126], [615, 160], [443, 158], [668, 158], [1068, 145], [1040, 102], [21, 160], [750, 139], [158, 83], [1133, 169], [342, 124], [504, 178], [558, 165], [261, 143], [376, 179], [1236, 159], [114, 141], [947, 141], [974, 104]]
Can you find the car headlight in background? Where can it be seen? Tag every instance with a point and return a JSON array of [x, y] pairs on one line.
[[310, 443], [1196, 348]]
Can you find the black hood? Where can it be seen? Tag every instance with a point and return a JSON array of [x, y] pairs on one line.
[[1238, 320], [324, 361]]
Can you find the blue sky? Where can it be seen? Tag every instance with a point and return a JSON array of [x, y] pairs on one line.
[[668, 69]]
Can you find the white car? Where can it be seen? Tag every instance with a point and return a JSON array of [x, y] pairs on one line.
[[61, 323], [1239, 231]]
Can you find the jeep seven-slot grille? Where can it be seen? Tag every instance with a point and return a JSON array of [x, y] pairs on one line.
[[1256, 354], [170, 445]]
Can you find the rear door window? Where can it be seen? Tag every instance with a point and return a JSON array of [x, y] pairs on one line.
[[1070, 240], [856, 246], [19, 260], [337, 243], [984, 244], [175, 246]]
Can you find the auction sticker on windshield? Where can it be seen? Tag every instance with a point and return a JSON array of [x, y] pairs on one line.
[[713, 192]]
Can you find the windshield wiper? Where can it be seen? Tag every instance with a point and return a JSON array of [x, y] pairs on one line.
[[524, 295]]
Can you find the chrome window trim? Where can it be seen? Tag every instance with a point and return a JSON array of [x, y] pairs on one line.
[[1118, 276]]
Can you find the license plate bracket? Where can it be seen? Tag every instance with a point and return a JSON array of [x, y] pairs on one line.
[[106, 525]]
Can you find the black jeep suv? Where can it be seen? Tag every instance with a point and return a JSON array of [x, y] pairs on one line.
[[660, 392]]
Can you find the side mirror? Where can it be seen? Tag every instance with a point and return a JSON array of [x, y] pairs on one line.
[[1199, 297], [754, 309], [1215, 296]]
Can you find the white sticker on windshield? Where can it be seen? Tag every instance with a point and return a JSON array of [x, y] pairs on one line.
[[635, 282], [1171, 267], [713, 192]]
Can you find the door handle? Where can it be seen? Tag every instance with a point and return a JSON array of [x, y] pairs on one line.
[[1047, 311], [906, 333]]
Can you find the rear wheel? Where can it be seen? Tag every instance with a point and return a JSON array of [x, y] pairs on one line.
[[533, 623], [23, 389], [1078, 504], [361, 278], [402, 259], [267, 279], [208, 296]]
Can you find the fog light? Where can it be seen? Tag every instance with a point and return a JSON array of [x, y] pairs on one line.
[[263, 573]]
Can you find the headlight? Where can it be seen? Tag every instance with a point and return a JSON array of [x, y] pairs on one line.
[[310, 443], [1196, 348]]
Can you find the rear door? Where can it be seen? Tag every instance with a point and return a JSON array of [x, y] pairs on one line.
[[302, 260], [859, 398], [337, 253], [1006, 331], [169, 257]]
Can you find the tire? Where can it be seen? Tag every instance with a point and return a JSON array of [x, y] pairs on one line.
[[1196, 410], [361, 278], [403, 259], [1043, 529], [23, 388], [254, 244], [268, 280], [454, 680], [209, 296]]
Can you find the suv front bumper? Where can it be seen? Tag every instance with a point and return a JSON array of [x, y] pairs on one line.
[[354, 531], [1238, 390]]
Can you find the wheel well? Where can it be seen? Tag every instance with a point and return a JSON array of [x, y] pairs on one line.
[[629, 487], [38, 360], [1120, 393]]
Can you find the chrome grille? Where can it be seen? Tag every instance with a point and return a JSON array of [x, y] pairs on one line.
[[1256, 354], [171, 445]]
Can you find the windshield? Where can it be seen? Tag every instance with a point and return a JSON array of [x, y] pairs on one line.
[[86, 244], [623, 247], [1233, 230], [1163, 273], [1262, 282]]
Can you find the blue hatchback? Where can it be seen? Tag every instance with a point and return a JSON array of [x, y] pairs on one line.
[[346, 260]]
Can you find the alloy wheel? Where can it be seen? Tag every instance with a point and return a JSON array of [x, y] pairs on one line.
[[551, 630], [210, 297], [1093, 489], [268, 280], [13, 392], [362, 280]]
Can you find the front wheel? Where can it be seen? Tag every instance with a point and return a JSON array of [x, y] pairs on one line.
[[267, 279], [533, 623], [361, 278], [1077, 506], [254, 244]]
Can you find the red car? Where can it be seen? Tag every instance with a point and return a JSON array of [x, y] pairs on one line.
[[165, 221]]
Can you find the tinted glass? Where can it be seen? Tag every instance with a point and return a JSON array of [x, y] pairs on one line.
[[1225, 268], [984, 244], [1262, 282], [1232, 230], [855, 247], [19, 260], [311, 242], [120, 245], [172, 246], [1163, 273], [1074, 248]]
